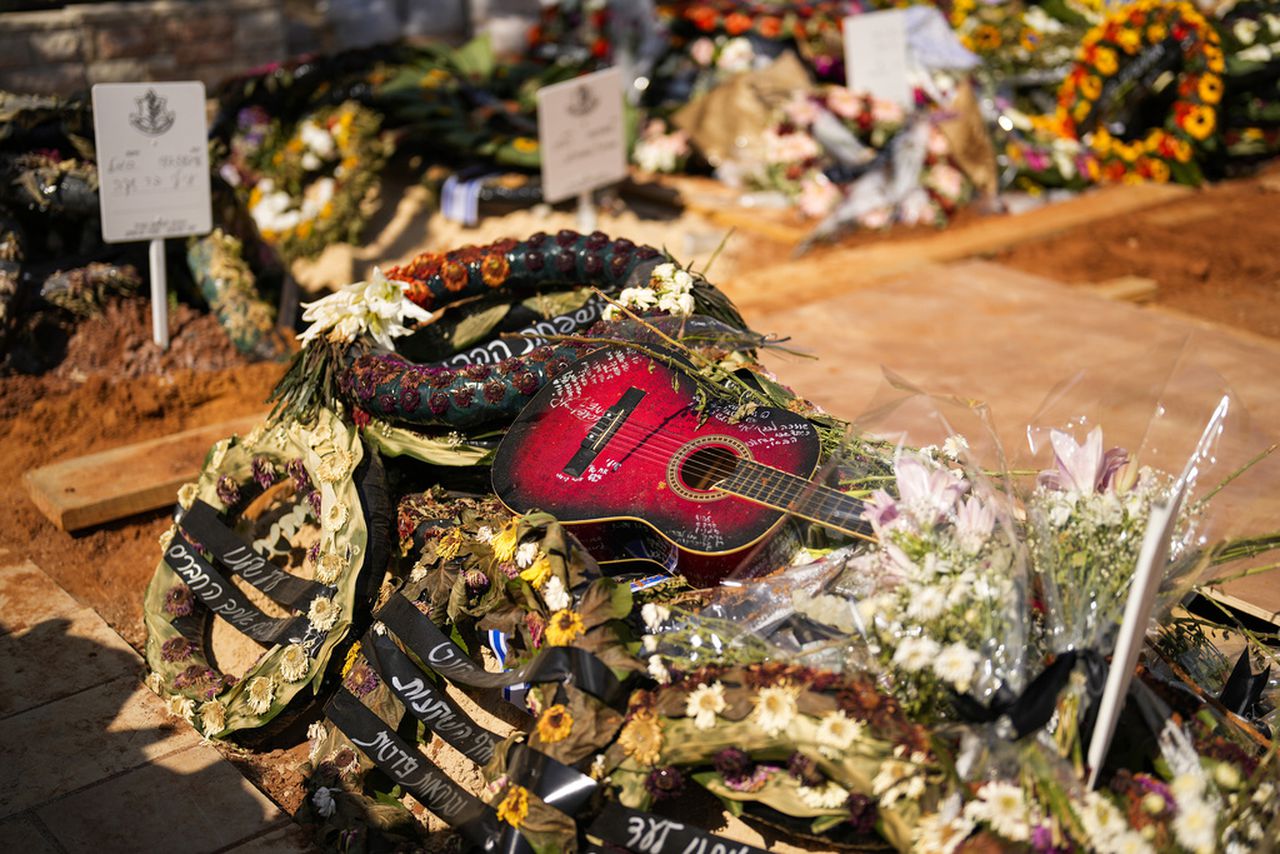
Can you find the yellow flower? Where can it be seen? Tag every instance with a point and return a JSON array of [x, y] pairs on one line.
[[555, 724], [1159, 171], [1156, 33], [350, 661], [641, 737], [525, 144], [563, 627], [1214, 57], [1210, 89], [1182, 151], [538, 573], [1132, 178], [514, 808], [1200, 122], [304, 228], [1105, 61], [1091, 87], [986, 37], [1091, 166], [505, 543], [1129, 40], [1081, 111], [449, 545], [1102, 142], [1029, 39]]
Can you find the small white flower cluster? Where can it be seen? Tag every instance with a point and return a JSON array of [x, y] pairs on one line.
[[902, 776], [1260, 36], [320, 145], [660, 150], [670, 289], [1107, 829], [1004, 808], [377, 308], [274, 209], [947, 602]]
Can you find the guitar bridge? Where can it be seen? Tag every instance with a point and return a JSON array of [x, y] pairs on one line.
[[603, 430]]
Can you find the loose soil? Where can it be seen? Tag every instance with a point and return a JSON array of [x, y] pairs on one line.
[[1212, 254]]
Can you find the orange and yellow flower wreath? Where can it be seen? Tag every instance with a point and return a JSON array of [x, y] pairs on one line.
[[1168, 152]]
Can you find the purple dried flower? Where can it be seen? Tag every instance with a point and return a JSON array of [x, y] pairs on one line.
[[409, 399], [510, 570], [526, 382], [313, 553], [664, 783], [301, 480], [862, 813], [804, 769], [179, 601], [464, 396], [476, 580], [361, 679], [204, 680], [536, 626], [733, 764], [494, 391], [438, 403], [264, 473], [228, 491], [313, 498], [176, 649]]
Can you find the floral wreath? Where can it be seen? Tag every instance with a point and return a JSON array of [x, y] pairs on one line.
[[1168, 152], [326, 501], [306, 186]]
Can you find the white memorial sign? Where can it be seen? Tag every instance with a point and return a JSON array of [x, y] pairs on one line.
[[581, 135], [875, 55], [153, 171]]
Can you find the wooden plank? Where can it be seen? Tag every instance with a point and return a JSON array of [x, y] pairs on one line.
[[1125, 288], [825, 272], [96, 488], [980, 330]]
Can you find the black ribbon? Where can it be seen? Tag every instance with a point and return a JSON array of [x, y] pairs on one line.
[[401, 761], [1033, 708], [646, 833], [426, 702], [237, 556], [225, 600], [1242, 693], [564, 664]]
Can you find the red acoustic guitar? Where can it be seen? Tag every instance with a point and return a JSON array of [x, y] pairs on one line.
[[617, 446]]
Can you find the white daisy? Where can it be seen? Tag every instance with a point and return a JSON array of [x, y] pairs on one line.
[[329, 567], [775, 708], [526, 555], [335, 516], [704, 703], [213, 718], [181, 707], [323, 613], [294, 663], [1002, 807], [829, 796], [956, 665], [915, 654], [1195, 826], [484, 534], [261, 693], [336, 466], [836, 733], [658, 671], [554, 594]]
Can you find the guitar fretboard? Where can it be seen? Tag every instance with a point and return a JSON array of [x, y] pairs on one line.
[[794, 494]]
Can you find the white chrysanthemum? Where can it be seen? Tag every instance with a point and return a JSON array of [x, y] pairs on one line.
[[956, 664], [915, 654], [294, 663], [323, 613], [654, 615], [322, 800], [938, 835], [218, 453], [1187, 787], [775, 708], [213, 718], [155, 682], [1003, 808], [484, 534], [335, 516], [526, 555], [677, 305], [316, 734], [260, 693], [336, 467], [829, 796], [181, 707], [187, 494], [638, 298], [926, 603], [330, 567], [1101, 821], [658, 671], [836, 733], [704, 703], [1130, 842], [555, 595], [1195, 826]]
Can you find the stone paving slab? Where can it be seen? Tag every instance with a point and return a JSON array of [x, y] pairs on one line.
[[286, 839], [192, 801], [74, 742], [983, 331], [22, 835], [28, 596], [58, 657]]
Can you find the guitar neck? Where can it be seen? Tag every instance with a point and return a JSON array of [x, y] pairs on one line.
[[794, 494]]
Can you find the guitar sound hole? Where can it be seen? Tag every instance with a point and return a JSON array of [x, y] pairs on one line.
[[706, 468]]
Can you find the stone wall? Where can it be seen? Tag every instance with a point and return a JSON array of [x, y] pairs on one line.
[[67, 50]]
